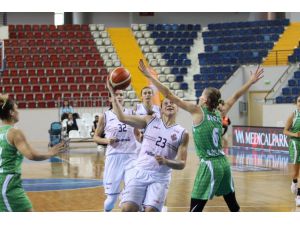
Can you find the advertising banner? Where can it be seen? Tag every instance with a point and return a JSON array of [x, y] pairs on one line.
[[260, 137]]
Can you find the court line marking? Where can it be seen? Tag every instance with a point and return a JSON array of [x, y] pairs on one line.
[[69, 189]]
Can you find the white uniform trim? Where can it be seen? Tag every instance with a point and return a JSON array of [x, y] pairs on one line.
[[295, 152], [212, 180], [4, 189], [1, 169]]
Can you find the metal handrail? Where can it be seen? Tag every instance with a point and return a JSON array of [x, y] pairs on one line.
[[277, 82]]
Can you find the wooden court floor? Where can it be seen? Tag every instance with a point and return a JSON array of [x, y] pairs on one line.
[[257, 191]]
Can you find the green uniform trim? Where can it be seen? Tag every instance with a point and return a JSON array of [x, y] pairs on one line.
[[294, 143]]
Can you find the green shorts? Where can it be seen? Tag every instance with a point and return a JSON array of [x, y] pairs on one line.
[[294, 150], [213, 178], [13, 197]]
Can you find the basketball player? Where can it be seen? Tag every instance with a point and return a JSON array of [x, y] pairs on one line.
[[146, 107], [13, 146], [120, 151], [214, 173], [164, 147], [292, 129]]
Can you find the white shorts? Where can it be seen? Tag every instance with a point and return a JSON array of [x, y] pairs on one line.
[[145, 188], [114, 170]]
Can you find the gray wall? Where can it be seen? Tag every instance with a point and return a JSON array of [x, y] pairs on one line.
[[204, 18], [125, 19], [30, 18]]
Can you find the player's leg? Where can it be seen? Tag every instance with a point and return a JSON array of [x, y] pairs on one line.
[[226, 186], [156, 196], [295, 159], [197, 205], [134, 191], [13, 197], [112, 178], [204, 186], [231, 202]]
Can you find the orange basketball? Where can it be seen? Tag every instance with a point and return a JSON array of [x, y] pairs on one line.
[[120, 78]]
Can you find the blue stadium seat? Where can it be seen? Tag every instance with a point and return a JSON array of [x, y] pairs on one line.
[[295, 91], [184, 86], [297, 75], [179, 78], [286, 91], [292, 83], [279, 99]]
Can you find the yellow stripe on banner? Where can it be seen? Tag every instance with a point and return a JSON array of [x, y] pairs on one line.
[[130, 53]]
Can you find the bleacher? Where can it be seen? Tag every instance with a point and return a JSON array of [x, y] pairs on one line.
[[46, 63], [290, 93], [228, 45], [166, 47]]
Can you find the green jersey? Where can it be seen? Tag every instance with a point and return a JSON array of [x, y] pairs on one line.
[[207, 135], [296, 125], [10, 158]]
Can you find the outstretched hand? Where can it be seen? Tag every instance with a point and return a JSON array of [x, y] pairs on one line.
[[57, 148], [147, 71], [254, 77]]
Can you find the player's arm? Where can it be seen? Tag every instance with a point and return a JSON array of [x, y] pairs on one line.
[[139, 122], [187, 106], [253, 79], [99, 131], [180, 161], [17, 138], [288, 126]]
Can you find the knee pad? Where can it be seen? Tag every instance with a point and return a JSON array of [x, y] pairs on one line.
[[109, 202]]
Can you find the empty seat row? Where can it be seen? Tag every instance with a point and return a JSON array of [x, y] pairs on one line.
[[68, 78], [245, 46], [242, 32], [237, 39], [286, 99], [53, 88], [174, 41], [177, 34], [47, 42], [46, 27], [206, 77], [51, 34], [56, 72], [173, 27], [51, 50], [174, 56], [53, 57], [218, 69], [291, 90], [55, 64], [99, 27], [175, 49], [248, 24]]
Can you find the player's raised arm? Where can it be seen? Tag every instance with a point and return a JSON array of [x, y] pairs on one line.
[[253, 79], [132, 120], [148, 72]]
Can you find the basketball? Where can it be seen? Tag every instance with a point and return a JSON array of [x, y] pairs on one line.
[[120, 78]]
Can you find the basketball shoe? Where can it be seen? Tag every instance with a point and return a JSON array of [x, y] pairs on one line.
[[294, 188], [297, 201]]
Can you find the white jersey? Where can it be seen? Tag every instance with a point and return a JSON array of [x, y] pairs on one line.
[[159, 140], [141, 110], [125, 143]]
